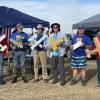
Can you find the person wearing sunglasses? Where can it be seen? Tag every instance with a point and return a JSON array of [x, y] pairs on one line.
[[19, 53], [57, 58], [40, 53]]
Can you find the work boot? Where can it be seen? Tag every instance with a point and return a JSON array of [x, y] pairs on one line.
[[35, 80], [54, 81], [2, 82], [62, 83], [98, 85], [24, 79], [45, 80], [14, 80]]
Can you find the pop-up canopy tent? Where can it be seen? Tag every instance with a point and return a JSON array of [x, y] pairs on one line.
[[90, 23], [9, 17]]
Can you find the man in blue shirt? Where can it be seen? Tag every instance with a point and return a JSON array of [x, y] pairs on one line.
[[19, 53]]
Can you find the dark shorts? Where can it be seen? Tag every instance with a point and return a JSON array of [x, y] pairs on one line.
[[78, 62]]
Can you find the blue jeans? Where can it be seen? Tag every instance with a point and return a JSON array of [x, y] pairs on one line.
[[98, 66], [19, 62], [1, 64]]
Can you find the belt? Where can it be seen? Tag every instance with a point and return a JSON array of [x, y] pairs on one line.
[[19, 49], [39, 50]]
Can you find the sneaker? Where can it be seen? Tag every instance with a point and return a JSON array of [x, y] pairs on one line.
[[24, 79], [54, 81], [36, 80], [73, 81], [45, 80], [14, 80], [62, 83], [83, 82]]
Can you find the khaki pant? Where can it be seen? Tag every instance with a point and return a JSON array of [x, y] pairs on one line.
[[42, 56]]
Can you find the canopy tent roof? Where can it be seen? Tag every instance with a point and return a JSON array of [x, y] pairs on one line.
[[90, 23], [10, 17]]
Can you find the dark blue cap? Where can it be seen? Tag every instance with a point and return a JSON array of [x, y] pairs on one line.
[[81, 27]]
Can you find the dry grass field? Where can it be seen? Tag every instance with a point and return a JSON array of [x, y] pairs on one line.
[[47, 91]]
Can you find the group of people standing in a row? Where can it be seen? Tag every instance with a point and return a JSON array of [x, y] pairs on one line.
[[78, 59]]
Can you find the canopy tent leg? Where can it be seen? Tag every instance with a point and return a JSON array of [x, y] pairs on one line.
[[7, 31], [32, 60]]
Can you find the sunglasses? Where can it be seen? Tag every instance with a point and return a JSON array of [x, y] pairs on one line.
[[55, 27], [39, 28]]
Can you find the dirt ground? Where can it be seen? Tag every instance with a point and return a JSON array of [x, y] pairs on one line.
[[47, 91]]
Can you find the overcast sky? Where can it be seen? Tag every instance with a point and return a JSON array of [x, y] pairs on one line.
[[65, 12]]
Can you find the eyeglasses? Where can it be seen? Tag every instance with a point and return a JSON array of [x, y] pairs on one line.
[[55, 27], [21, 28], [39, 28]]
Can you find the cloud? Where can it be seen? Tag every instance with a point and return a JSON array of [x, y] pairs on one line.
[[66, 12]]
